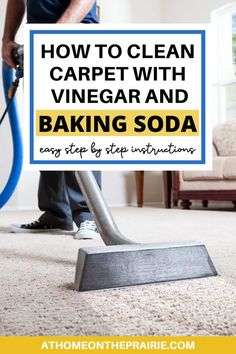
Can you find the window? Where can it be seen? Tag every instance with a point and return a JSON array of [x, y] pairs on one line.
[[224, 63]]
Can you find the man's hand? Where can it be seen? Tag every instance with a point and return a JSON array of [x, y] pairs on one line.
[[14, 15], [7, 49]]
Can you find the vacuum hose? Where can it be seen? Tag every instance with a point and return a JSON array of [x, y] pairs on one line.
[[8, 77]]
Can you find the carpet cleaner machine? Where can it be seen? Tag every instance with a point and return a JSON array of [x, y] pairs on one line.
[[121, 262]]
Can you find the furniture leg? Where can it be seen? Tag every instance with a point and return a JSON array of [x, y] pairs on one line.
[[175, 202], [185, 204], [139, 177], [167, 185], [205, 203]]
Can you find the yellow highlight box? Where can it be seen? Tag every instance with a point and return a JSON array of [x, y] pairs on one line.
[[117, 123], [117, 345]]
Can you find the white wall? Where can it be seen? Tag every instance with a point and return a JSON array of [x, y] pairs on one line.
[[130, 11], [189, 11]]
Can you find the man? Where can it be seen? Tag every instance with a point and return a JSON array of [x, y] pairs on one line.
[[59, 196]]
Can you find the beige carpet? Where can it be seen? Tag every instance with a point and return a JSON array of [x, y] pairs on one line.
[[37, 273]]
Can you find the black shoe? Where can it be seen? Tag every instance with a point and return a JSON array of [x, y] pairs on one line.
[[38, 227]]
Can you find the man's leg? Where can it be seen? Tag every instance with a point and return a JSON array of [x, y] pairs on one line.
[[79, 208], [53, 200], [80, 212]]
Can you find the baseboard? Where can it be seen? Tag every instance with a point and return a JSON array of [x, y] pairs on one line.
[[196, 204], [19, 208], [111, 205], [154, 204], [213, 204]]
